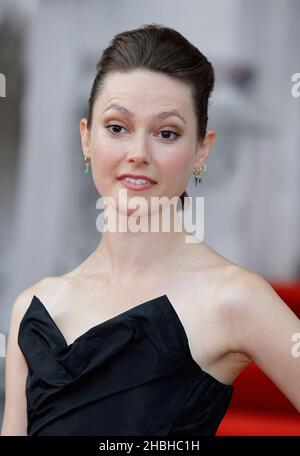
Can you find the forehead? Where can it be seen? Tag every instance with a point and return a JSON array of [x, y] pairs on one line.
[[145, 93]]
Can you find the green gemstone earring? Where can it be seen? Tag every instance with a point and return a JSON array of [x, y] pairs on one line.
[[88, 168], [199, 173]]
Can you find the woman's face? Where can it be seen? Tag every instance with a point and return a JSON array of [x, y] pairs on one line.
[[130, 135]]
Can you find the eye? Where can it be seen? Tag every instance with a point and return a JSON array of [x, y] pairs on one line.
[[177, 135], [165, 132], [114, 126]]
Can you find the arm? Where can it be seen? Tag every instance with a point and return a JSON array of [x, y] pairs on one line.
[[16, 370], [260, 324]]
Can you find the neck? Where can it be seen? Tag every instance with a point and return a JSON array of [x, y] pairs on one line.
[[126, 255]]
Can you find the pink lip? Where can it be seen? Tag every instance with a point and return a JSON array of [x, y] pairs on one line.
[[137, 187], [137, 176]]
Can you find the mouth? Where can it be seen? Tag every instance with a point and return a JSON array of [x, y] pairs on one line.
[[136, 182]]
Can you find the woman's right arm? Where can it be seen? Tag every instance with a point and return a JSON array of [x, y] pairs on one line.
[[16, 370]]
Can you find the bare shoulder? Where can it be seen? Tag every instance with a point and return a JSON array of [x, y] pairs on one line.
[[241, 285], [232, 277], [24, 298], [234, 293], [258, 323], [238, 285], [249, 306], [16, 368]]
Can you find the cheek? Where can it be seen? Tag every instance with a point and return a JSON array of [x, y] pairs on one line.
[[105, 156], [103, 160], [178, 164]]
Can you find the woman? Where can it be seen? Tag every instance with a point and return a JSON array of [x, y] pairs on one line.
[[146, 336]]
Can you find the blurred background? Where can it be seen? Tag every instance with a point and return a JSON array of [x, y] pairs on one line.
[[48, 56]]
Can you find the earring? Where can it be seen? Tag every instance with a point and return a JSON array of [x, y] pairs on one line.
[[199, 173], [88, 168]]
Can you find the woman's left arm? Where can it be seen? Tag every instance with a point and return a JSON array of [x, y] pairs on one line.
[[261, 325]]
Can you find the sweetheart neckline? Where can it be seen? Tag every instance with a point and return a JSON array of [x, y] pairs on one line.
[[132, 309], [97, 325]]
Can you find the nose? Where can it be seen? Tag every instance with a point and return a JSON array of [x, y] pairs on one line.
[[139, 151]]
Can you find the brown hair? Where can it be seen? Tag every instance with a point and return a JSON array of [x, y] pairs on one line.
[[164, 50]]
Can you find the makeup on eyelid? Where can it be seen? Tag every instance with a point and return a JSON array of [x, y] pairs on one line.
[[175, 134], [168, 129]]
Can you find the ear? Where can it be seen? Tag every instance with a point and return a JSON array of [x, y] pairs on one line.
[[85, 137], [204, 147]]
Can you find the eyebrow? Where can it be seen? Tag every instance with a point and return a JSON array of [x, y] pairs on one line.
[[161, 115]]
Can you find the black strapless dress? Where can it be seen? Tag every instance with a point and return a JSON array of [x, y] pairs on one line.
[[130, 375]]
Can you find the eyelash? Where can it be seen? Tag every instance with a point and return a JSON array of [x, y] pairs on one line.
[[177, 135]]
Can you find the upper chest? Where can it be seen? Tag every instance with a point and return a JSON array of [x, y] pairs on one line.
[[78, 306]]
